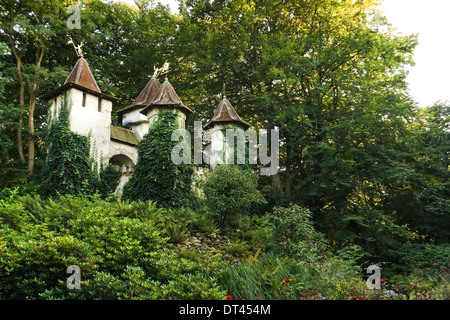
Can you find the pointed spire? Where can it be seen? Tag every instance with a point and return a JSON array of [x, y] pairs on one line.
[[81, 75], [166, 97], [148, 93], [225, 113]]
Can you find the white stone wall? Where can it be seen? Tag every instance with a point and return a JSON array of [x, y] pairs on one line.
[[219, 151], [136, 121], [181, 117], [88, 120], [116, 148]]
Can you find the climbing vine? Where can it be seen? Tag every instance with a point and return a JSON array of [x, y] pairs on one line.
[[156, 177], [68, 167]]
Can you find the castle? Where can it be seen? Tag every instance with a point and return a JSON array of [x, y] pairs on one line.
[[90, 115]]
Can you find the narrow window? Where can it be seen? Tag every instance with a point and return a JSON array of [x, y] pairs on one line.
[[84, 99], [99, 105]]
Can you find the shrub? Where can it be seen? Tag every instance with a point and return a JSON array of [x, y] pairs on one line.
[[120, 257], [108, 180], [294, 234], [230, 192], [263, 279]]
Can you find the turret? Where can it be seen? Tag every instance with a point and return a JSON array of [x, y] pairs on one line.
[[225, 117], [90, 109], [167, 98], [132, 117]]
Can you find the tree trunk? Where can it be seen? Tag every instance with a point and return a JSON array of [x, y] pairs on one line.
[[31, 147], [276, 183], [19, 138], [32, 85], [21, 102]]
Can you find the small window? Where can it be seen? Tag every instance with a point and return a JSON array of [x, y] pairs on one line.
[[84, 99], [99, 105]]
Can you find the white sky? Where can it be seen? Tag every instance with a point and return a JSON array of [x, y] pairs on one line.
[[429, 79]]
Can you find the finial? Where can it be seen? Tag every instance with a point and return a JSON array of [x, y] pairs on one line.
[[224, 96], [160, 71], [166, 80], [77, 48]]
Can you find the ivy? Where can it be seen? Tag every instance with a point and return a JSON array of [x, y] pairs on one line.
[[156, 177], [68, 167], [109, 178]]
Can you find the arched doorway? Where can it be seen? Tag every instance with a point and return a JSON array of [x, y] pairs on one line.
[[125, 166]]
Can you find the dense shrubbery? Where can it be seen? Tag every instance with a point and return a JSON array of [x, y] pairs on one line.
[[231, 192], [131, 250], [122, 254]]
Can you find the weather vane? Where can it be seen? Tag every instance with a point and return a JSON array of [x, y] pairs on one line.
[[160, 71], [77, 48], [165, 68], [155, 73]]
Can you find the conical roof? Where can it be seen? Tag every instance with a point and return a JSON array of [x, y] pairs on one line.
[[225, 113], [148, 93], [82, 76], [166, 97], [146, 96], [82, 79]]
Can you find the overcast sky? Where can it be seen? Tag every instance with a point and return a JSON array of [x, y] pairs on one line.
[[429, 79]]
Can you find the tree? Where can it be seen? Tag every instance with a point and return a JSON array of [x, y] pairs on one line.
[[156, 177], [28, 27], [331, 75]]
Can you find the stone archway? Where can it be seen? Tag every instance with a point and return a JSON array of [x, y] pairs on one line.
[[125, 166]]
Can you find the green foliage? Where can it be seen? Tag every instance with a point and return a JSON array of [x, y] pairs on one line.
[[294, 234], [372, 169], [285, 278], [119, 257], [108, 179], [156, 177], [422, 257], [67, 168], [231, 192]]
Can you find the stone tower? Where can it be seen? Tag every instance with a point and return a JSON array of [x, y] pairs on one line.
[[225, 117], [132, 117], [167, 98], [90, 109]]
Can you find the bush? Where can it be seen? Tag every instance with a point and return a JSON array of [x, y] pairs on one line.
[[120, 256], [281, 277], [420, 256], [294, 234], [231, 192]]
